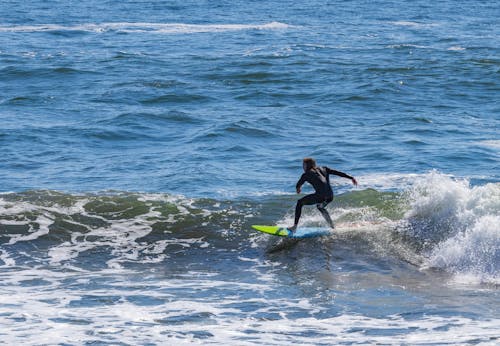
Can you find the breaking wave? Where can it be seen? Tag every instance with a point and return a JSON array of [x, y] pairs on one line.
[[439, 223], [456, 226]]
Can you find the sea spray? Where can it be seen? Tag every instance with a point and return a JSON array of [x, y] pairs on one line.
[[455, 225], [472, 255]]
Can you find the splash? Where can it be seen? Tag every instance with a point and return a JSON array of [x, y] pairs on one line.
[[456, 226]]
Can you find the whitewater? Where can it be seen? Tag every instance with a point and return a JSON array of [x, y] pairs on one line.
[[142, 267]]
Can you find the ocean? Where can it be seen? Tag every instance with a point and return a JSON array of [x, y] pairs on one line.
[[140, 140]]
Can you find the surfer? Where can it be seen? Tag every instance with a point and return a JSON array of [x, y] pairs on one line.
[[319, 178]]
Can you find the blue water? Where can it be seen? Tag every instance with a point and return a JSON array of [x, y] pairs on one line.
[[140, 140]]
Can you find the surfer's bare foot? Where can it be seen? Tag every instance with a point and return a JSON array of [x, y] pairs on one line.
[[293, 228]]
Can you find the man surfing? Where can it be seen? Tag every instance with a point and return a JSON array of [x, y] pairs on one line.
[[319, 178]]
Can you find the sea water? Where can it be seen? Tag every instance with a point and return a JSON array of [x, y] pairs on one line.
[[140, 140]]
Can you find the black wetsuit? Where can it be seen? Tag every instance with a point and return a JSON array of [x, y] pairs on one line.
[[319, 178]]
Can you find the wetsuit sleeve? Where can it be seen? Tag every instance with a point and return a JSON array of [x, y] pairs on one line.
[[340, 174], [301, 181]]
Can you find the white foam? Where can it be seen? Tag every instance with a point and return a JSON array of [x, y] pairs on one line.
[[389, 181], [459, 223], [47, 315], [6, 259], [414, 24], [409, 46], [456, 48], [121, 236], [492, 143], [161, 28], [472, 255], [43, 229]]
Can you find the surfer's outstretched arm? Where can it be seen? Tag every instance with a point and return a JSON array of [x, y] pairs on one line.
[[343, 175]]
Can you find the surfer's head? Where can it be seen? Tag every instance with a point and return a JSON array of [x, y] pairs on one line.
[[308, 163]]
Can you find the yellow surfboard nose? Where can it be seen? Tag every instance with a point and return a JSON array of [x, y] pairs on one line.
[[274, 230]]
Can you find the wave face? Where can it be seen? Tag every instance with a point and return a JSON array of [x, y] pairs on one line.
[[439, 222], [119, 228]]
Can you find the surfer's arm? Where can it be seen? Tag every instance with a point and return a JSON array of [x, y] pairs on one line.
[[342, 174], [301, 182]]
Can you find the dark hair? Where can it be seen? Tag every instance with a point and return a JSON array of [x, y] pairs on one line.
[[310, 163]]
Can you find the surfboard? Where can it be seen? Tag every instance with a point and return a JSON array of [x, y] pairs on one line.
[[300, 233]]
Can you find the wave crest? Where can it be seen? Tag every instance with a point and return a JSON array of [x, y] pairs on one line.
[[439, 222], [456, 226], [160, 28]]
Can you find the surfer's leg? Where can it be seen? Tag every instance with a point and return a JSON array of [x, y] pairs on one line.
[[322, 208], [307, 200], [298, 213]]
